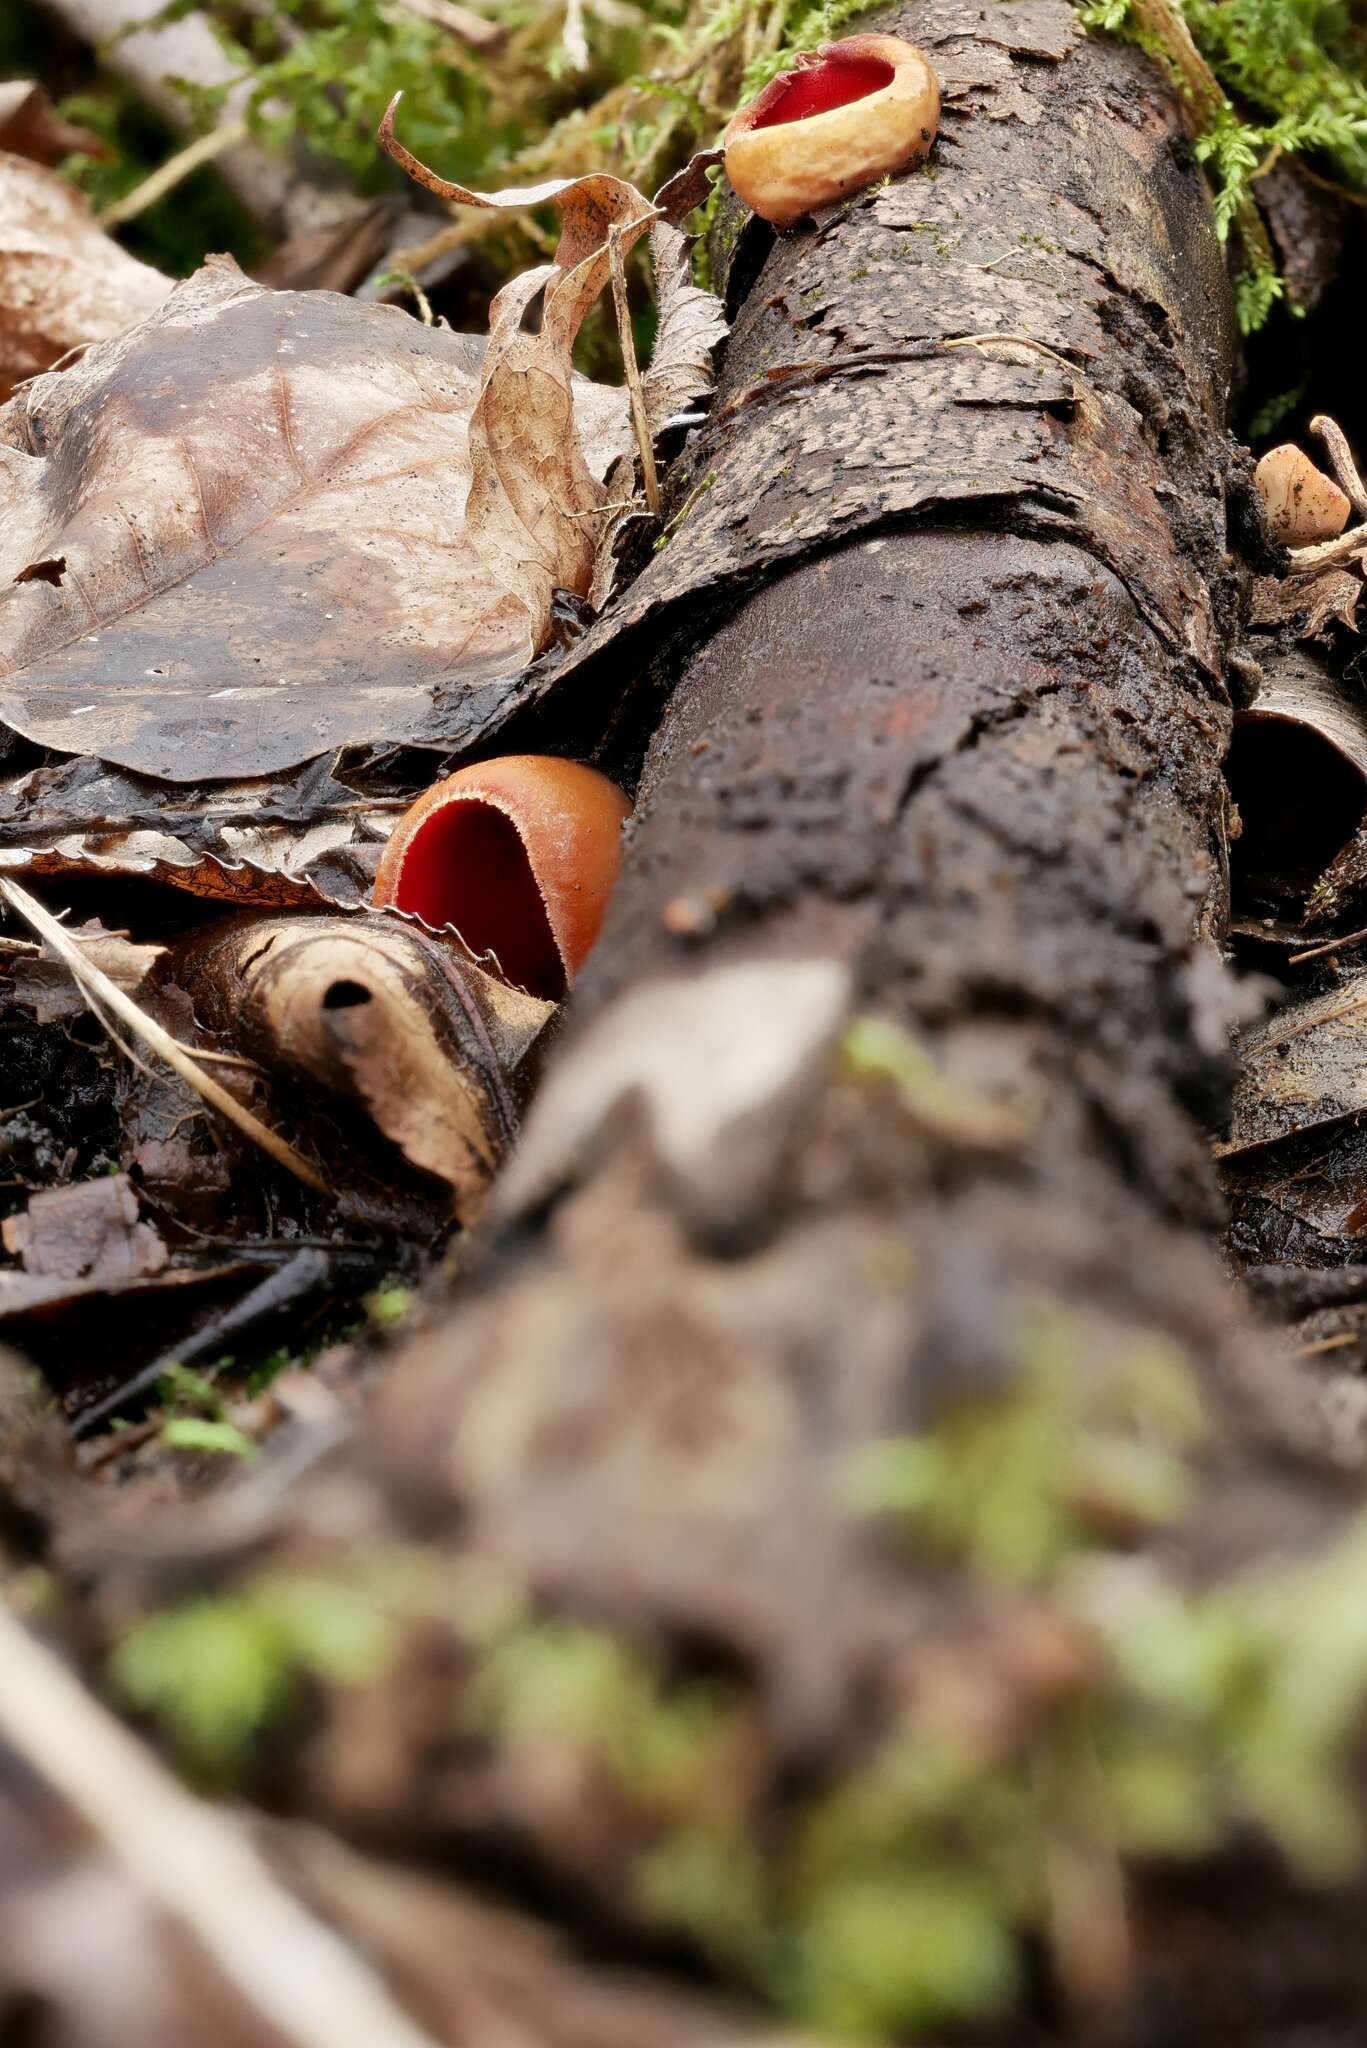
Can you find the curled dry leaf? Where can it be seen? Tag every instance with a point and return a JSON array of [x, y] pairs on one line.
[[45, 986], [277, 548], [31, 126], [88, 1334], [691, 325], [1293, 1160], [287, 841], [542, 518], [427, 1046], [1297, 769], [238, 538], [536, 507], [1302, 1069], [63, 282]]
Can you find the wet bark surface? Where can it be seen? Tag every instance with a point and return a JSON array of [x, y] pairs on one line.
[[942, 624]]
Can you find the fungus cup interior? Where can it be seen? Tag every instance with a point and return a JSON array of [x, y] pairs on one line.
[[819, 88], [466, 866]]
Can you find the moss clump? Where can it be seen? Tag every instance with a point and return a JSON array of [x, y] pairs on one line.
[[217, 1673], [1266, 79]]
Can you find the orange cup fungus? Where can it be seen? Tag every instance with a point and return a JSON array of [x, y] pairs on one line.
[[519, 856], [848, 114]]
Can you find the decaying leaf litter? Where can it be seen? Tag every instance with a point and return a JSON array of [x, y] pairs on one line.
[[226, 991], [272, 557]]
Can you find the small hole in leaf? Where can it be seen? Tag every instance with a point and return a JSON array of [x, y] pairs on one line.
[[346, 995], [51, 571]]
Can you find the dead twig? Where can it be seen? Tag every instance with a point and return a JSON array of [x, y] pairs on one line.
[[1323, 1344], [461, 22], [296, 1975], [635, 388], [1341, 460], [574, 37], [1329, 946], [1327, 554], [203, 150]]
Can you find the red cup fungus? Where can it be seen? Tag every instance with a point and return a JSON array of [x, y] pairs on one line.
[[849, 113], [519, 856]]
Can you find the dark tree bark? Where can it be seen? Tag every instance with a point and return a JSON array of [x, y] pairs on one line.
[[944, 620], [956, 749]]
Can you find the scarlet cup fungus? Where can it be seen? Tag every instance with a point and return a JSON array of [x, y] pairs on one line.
[[847, 114], [519, 855]]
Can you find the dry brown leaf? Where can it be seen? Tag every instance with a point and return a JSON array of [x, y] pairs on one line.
[[291, 841], [691, 324], [208, 626], [333, 257], [63, 282], [1302, 1069], [237, 538], [1313, 604], [87, 1232], [45, 986], [65, 1324], [537, 511], [536, 507], [426, 1045], [1293, 1161], [31, 126], [688, 188]]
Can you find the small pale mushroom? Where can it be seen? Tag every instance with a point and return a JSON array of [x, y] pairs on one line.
[[517, 855], [1303, 504], [848, 114]]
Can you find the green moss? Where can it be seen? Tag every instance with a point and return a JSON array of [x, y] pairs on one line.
[[883, 1953], [877, 1051], [1266, 79], [901, 1897], [217, 1674], [199, 1433], [662, 1743], [387, 1306]]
